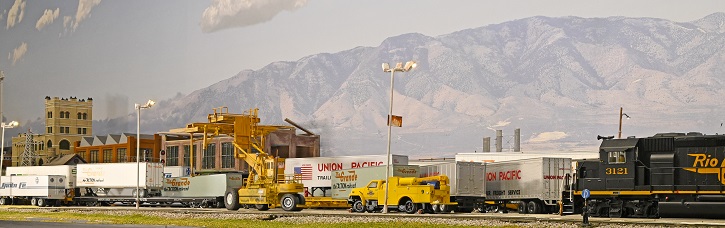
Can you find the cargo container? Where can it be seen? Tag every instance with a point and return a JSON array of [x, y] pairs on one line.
[[315, 172], [345, 180], [535, 184], [201, 186], [118, 179], [67, 170], [467, 182], [177, 171], [40, 190]]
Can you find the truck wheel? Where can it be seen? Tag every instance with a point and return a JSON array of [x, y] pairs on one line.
[[410, 207], [533, 207], [262, 207], [289, 202], [231, 200], [33, 202], [522, 207], [358, 206]]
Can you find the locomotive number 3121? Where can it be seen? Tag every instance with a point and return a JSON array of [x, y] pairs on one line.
[[616, 171]]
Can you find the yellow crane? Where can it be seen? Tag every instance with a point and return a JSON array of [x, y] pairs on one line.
[[267, 186]]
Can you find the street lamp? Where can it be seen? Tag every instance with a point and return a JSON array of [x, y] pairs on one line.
[[2, 151], [386, 68], [138, 147], [621, 114]]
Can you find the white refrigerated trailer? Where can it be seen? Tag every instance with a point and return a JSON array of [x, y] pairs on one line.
[[467, 182], [39, 190], [535, 184], [120, 179]]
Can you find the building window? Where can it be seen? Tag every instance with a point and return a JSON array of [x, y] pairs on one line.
[[85, 116], [94, 156], [67, 130], [67, 115], [172, 155], [50, 130], [208, 160], [107, 156], [62, 115], [121, 155], [79, 116], [187, 154], [79, 131], [64, 145], [84, 130], [616, 157], [62, 129], [49, 144], [50, 115], [228, 155]]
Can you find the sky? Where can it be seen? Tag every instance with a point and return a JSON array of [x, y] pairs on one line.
[[125, 52]]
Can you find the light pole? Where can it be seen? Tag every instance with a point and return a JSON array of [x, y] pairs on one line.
[[2, 151], [621, 113], [386, 68], [138, 147]]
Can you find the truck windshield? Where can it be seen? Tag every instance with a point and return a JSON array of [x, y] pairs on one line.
[[373, 185]]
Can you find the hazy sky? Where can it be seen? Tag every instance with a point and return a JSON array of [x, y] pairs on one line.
[[125, 52]]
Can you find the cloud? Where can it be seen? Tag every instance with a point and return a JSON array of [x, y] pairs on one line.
[[48, 17], [18, 53], [15, 16], [224, 14], [83, 12], [548, 136]]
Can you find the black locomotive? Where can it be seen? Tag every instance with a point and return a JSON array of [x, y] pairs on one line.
[[666, 175]]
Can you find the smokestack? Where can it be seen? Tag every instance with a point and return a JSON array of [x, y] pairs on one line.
[[517, 140], [486, 144], [499, 140]]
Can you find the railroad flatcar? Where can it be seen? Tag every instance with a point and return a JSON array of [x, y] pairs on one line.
[[666, 175]]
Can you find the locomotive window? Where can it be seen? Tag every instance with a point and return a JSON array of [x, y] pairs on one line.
[[616, 157]]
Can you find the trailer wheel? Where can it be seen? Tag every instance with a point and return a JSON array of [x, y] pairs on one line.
[[533, 207], [3, 201], [33, 202], [289, 202], [231, 200], [42, 202], [410, 207], [522, 207], [262, 207], [357, 206]]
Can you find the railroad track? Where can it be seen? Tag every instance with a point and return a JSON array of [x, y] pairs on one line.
[[312, 214]]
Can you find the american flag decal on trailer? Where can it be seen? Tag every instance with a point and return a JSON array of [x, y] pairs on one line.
[[304, 172]]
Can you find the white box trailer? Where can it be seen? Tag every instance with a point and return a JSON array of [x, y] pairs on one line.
[[66, 170], [202, 186], [40, 190], [468, 182], [120, 179], [536, 184], [345, 180], [490, 157], [177, 171], [315, 172]]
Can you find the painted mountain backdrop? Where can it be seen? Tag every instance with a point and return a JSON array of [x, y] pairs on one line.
[[561, 80]]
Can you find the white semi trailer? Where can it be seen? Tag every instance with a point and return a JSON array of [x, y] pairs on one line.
[[467, 182], [39, 190], [535, 184]]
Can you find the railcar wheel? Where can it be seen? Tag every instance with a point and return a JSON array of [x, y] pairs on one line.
[[522, 207], [410, 207], [289, 202], [357, 206], [231, 200], [262, 207], [436, 208], [533, 207]]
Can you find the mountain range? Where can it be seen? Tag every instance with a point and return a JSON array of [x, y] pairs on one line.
[[562, 81]]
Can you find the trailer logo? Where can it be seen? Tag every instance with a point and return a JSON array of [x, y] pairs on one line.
[[705, 164], [508, 175], [304, 172], [92, 180], [8, 185], [178, 183], [407, 171], [351, 176]]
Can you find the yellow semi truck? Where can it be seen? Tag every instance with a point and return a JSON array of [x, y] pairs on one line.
[[408, 194]]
